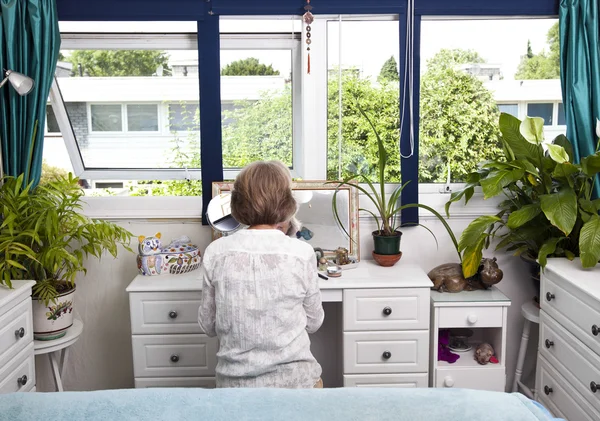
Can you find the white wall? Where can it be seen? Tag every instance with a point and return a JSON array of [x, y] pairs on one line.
[[102, 358]]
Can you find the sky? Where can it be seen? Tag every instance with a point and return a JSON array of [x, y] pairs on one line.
[[368, 44]]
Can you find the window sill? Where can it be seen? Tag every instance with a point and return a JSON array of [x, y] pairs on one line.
[[189, 207]]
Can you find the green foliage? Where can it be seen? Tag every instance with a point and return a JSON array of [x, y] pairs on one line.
[[248, 67], [44, 236], [51, 173], [389, 71], [548, 199], [458, 124], [543, 65], [99, 63], [386, 209]]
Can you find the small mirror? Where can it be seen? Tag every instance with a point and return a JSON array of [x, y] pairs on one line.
[[318, 225]]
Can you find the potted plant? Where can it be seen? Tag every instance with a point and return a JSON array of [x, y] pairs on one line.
[[44, 237], [548, 208], [386, 238]]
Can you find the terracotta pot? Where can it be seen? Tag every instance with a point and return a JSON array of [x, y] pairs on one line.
[[386, 244], [387, 260], [52, 321]]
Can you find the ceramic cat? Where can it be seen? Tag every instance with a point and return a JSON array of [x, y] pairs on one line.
[[180, 256]]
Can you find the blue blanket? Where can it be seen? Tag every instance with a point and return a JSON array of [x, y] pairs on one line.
[[347, 404]]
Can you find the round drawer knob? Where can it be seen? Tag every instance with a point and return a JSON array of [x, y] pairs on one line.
[[448, 381], [387, 355], [19, 333], [387, 311], [594, 387], [595, 330], [549, 343], [550, 296], [472, 318], [174, 358], [547, 390], [22, 381], [172, 314]]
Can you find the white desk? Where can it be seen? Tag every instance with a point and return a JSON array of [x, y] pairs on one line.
[[58, 351], [385, 327]]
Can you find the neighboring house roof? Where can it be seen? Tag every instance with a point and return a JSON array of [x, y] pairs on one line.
[[159, 89], [525, 90]]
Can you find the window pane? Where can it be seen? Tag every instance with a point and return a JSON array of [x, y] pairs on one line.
[[562, 119], [129, 94], [51, 122], [106, 118], [512, 109], [470, 71], [541, 110], [256, 104], [142, 118], [184, 117], [368, 75]]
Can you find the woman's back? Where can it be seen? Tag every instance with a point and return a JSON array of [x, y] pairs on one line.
[[266, 301]]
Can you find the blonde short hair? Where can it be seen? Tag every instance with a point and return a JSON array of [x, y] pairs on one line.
[[262, 194]]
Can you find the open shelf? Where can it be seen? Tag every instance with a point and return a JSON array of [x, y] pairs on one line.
[[467, 359]]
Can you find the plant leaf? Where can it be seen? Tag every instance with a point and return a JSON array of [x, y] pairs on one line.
[[523, 215], [493, 184], [562, 140], [547, 249], [561, 209], [472, 258], [532, 129], [589, 242], [510, 128], [558, 154], [591, 164], [474, 232]]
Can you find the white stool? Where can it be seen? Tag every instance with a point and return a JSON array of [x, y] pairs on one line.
[[531, 313], [58, 351]]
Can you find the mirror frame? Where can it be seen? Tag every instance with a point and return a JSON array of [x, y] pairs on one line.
[[219, 187]]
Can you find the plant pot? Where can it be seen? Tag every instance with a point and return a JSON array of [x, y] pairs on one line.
[[52, 321], [387, 260], [386, 244], [534, 271]]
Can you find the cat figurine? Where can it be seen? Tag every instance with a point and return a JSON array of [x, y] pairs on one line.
[[180, 256]]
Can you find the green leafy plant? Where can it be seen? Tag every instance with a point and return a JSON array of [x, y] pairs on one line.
[[44, 236], [548, 208], [386, 209]]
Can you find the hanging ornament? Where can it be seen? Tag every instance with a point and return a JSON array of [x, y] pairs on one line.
[[308, 19]]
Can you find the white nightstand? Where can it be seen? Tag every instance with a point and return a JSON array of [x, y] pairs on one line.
[[484, 312]]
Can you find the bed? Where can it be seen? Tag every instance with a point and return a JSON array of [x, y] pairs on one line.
[[348, 404]]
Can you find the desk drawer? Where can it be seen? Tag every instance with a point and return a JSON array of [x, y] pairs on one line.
[[16, 321], [491, 378], [174, 355], [411, 380], [563, 304], [580, 363], [164, 312], [386, 309], [386, 352], [203, 382], [562, 395], [470, 316], [18, 375]]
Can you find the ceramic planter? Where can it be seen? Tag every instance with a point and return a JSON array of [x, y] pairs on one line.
[[386, 244], [52, 321]]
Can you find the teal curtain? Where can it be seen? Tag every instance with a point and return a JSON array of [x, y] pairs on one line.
[[580, 74], [29, 44]]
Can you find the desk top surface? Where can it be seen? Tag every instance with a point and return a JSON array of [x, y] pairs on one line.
[[367, 274]]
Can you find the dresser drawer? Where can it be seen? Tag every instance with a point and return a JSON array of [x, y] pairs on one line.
[[488, 377], [165, 312], [386, 380], [470, 316], [203, 382], [174, 355], [583, 320], [386, 352], [13, 324], [556, 389], [582, 365], [18, 375], [386, 309]]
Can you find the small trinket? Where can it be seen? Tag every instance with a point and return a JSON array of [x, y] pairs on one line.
[[484, 353], [322, 263], [334, 271], [341, 256], [308, 19]]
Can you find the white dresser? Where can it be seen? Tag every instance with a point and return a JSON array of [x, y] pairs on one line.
[[568, 370], [17, 366], [384, 329]]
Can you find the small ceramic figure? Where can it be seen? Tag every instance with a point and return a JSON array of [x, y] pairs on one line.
[[489, 272], [449, 277], [341, 256], [180, 256], [484, 353], [322, 264]]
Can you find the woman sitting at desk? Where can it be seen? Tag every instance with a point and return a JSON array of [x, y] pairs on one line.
[[260, 293]]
